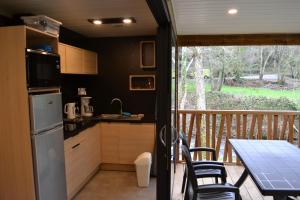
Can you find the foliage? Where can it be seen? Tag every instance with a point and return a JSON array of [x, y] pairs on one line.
[[223, 101], [229, 65]]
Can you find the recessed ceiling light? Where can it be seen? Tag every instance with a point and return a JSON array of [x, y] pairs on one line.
[[232, 11], [105, 21], [127, 21], [97, 22]]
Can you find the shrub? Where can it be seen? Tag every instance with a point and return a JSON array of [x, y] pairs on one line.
[[222, 101]]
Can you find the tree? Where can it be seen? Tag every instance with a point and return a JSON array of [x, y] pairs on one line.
[[199, 77], [217, 67], [184, 68], [265, 55], [279, 62]]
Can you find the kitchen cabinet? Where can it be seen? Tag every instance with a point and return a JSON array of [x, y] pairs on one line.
[[75, 60], [121, 143], [82, 158], [90, 62], [62, 53], [16, 163]]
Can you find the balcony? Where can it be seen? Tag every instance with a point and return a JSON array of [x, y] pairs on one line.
[[213, 128]]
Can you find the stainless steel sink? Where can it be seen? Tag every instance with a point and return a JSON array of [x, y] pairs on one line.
[[119, 117]]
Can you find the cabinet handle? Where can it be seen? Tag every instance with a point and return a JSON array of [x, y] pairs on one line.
[[73, 147]]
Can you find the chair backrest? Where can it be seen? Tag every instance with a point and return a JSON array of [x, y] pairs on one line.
[[184, 140], [191, 172]]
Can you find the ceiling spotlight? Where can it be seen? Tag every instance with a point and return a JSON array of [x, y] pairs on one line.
[[97, 22], [119, 20], [127, 21], [232, 11]]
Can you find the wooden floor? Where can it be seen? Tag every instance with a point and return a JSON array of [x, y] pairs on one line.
[[248, 190], [110, 185]]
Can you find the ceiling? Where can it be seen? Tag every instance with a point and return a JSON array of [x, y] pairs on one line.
[[210, 17], [74, 14]]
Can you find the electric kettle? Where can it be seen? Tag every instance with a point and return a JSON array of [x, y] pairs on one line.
[[69, 110]]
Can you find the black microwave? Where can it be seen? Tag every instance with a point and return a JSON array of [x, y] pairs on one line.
[[42, 69]]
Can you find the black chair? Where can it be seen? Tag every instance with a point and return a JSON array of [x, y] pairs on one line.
[[203, 173], [194, 191]]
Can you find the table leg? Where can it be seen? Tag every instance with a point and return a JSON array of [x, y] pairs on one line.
[[241, 179]]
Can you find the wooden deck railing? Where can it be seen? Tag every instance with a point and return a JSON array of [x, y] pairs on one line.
[[213, 128]]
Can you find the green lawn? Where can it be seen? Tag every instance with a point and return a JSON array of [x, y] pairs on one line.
[[293, 95], [290, 94]]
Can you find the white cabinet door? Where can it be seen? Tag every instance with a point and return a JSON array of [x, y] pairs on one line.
[[110, 142], [121, 143], [82, 157]]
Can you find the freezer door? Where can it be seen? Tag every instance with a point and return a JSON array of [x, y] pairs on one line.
[[45, 111], [49, 165]]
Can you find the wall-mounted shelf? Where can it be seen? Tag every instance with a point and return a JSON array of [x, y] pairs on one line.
[[147, 54], [35, 37], [142, 82]]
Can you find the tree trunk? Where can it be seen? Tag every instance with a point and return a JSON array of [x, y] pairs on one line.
[[220, 80], [200, 87], [263, 62], [182, 84], [261, 70]]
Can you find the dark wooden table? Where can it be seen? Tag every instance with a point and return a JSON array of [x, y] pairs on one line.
[[273, 165]]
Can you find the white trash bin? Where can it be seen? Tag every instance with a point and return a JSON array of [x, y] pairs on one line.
[[143, 167]]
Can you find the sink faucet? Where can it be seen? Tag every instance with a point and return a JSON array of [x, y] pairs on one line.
[[121, 104]]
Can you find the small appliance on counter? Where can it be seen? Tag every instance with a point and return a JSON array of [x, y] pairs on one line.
[[70, 110], [86, 109], [81, 91]]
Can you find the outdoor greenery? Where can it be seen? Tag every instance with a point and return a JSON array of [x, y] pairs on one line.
[[240, 77]]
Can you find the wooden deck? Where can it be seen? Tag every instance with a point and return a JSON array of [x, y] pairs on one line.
[[248, 190]]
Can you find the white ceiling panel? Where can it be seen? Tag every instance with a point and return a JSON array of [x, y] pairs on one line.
[[210, 17], [74, 14]]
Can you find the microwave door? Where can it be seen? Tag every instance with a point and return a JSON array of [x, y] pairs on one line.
[[43, 70]]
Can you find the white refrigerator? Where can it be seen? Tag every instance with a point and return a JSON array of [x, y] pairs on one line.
[[48, 146]]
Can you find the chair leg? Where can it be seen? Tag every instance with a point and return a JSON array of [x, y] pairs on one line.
[[217, 180], [186, 193], [183, 182]]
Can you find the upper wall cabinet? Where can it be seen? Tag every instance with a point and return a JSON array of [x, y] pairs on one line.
[[90, 62], [77, 61]]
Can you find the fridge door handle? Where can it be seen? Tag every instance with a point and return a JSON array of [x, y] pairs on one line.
[[162, 135]]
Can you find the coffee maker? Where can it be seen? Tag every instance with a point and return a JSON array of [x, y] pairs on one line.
[[86, 109]]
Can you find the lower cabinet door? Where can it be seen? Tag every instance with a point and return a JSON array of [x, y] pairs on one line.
[[91, 150], [82, 157], [74, 168], [110, 142]]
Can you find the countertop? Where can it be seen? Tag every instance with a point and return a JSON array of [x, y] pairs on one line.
[[82, 123]]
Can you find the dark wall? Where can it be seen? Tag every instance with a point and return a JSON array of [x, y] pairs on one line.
[[5, 21], [70, 37], [118, 58]]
